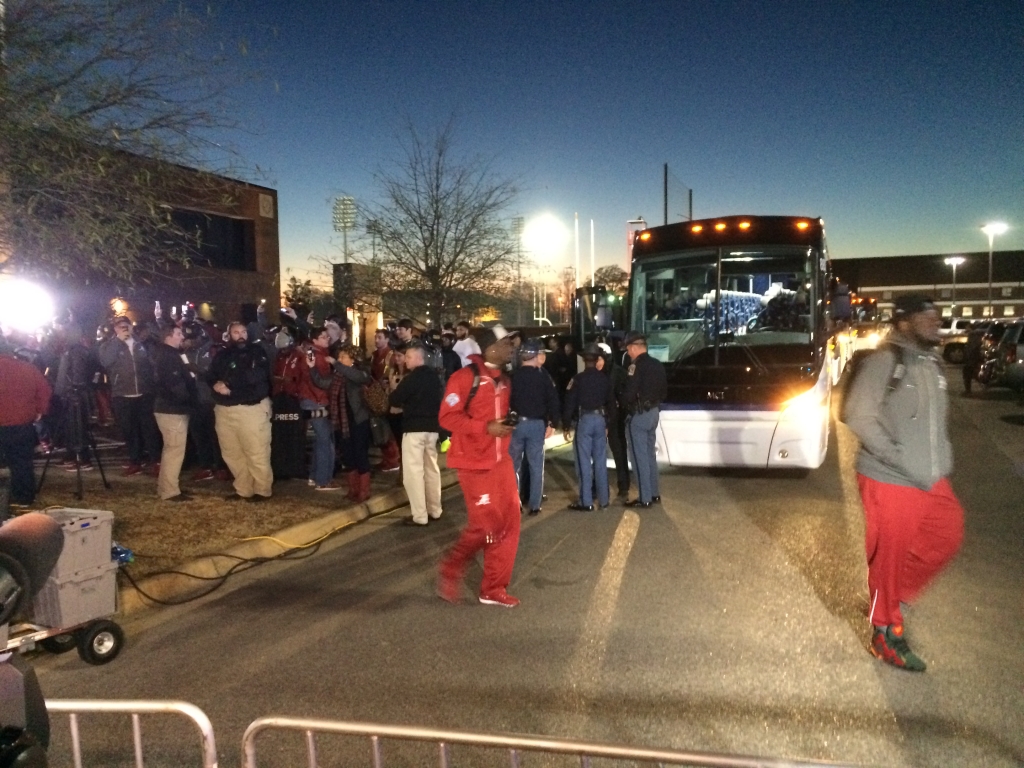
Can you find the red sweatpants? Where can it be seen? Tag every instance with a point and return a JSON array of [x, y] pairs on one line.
[[910, 536], [492, 506]]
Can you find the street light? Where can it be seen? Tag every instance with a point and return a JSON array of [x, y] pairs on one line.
[[954, 262], [992, 229], [344, 219]]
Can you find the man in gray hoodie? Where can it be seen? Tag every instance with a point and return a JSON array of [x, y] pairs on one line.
[[897, 405]]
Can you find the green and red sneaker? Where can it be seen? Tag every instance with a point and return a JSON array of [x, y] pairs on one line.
[[888, 644]]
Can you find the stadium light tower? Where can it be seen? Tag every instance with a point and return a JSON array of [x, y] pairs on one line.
[[344, 219], [992, 229]]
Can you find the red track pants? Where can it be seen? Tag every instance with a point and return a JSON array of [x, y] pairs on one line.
[[492, 506], [910, 537]]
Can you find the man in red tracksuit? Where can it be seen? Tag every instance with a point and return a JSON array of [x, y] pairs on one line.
[[897, 406], [479, 451]]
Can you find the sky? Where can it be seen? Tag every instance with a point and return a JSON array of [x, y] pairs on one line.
[[900, 124]]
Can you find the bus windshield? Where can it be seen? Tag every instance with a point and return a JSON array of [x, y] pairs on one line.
[[766, 296]]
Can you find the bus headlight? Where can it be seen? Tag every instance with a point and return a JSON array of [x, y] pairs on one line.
[[812, 404]]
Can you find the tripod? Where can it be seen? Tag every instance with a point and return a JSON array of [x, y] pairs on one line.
[[78, 438]]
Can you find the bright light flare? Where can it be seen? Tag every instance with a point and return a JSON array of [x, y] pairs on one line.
[[24, 306], [546, 237]]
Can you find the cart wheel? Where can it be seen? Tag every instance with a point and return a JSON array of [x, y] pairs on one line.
[[100, 642], [59, 643]]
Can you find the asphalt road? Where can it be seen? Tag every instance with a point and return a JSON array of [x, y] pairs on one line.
[[731, 619]]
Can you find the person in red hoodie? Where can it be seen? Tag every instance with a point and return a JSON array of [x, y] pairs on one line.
[[24, 399], [475, 410]]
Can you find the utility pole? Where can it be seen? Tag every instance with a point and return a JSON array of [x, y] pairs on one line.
[[664, 186]]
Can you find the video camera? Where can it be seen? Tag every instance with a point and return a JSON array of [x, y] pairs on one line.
[[29, 548]]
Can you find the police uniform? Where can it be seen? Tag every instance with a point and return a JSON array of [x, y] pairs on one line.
[[588, 399], [535, 401], [646, 388]]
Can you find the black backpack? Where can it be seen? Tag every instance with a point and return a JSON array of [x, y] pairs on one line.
[[899, 371]]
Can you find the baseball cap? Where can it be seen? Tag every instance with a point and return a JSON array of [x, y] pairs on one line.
[[490, 336], [906, 306]]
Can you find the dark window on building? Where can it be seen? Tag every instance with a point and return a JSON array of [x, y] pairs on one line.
[[223, 242]]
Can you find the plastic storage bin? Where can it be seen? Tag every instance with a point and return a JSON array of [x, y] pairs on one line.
[[81, 597], [87, 537]]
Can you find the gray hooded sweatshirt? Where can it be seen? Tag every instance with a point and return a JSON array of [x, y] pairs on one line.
[[903, 434]]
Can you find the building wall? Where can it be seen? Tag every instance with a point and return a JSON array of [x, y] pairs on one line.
[[886, 278]]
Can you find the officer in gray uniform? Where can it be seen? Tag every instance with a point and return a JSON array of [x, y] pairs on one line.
[[646, 388], [588, 398]]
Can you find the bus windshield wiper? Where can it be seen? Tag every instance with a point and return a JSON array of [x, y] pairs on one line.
[[761, 367]]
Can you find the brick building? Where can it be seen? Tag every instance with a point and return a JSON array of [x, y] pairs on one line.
[[885, 278]]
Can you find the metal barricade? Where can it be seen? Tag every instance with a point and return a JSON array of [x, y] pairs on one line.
[[74, 707], [515, 745]]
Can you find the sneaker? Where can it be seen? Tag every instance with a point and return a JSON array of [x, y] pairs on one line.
[[179, 498], [502, 598], [889, 645], [331, 486], [223, 475], [236, 497], [202, 474], [132, 469], [578, 506], [640, 504], [257, 498], [311, 483], [412, 521]]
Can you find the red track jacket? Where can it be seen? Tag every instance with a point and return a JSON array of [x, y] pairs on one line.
[[472, 447]]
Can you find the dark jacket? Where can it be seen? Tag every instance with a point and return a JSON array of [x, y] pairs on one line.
[[354, 379], [589, 391], [175, 388], [419, 396], [646, 384], [75, 371], [534, 395], [246, 371], [129, 371]]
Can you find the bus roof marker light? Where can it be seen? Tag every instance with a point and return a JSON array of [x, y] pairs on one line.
[[802, 225], [645, 236], [744, 225], [720, 226], [697, 228]]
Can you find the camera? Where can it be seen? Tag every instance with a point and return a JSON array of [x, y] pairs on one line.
[[511, 419], [310, 355]]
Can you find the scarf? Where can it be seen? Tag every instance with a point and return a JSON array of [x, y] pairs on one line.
[[337, 404]]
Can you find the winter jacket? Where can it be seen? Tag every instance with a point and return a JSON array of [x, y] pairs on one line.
[[355, 379], [129, 374], [24, 393], [75, 371], [308, 386], [175, 386], [419, 396], [903, 432], [472, 447], [245, 370]]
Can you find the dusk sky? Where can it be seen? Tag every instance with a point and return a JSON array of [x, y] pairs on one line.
[[901, 124]]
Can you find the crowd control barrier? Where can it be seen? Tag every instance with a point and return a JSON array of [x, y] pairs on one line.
[[514, 745], [75, 707]]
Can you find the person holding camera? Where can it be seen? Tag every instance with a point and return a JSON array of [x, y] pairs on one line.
[[314, 384], [419, 397], [476, 397], [534, 400]]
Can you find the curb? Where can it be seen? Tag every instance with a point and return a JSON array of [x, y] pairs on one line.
[[180, 587]]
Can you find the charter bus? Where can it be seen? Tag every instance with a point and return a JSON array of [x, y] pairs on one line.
[[737, 308]]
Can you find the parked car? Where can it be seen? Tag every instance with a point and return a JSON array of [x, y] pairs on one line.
[[955, 326], [1008, 358]]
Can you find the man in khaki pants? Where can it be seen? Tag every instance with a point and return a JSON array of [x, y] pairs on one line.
[[240, 377], [176, 397], [419, 394]]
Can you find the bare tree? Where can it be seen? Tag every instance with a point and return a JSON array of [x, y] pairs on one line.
[[102, 105], [439, 229], [612, 277]]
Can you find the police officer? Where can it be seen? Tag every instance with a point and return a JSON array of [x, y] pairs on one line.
[[535, 401], [588, 399], [646, 387]]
